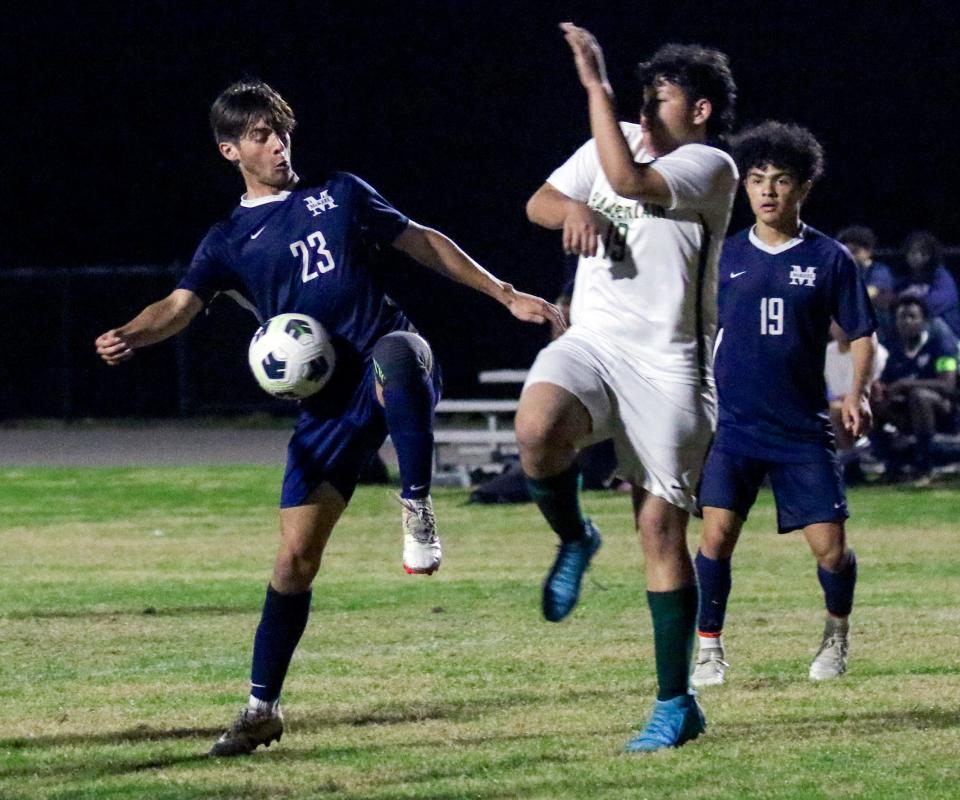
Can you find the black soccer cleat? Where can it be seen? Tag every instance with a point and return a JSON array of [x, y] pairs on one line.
[[250, 729]]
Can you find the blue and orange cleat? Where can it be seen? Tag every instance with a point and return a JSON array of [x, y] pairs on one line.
[[672, 723]]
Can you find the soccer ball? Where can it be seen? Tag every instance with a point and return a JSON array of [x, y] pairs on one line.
[[291, 356]]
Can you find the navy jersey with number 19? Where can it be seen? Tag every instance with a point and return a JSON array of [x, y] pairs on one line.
[[775, 306]]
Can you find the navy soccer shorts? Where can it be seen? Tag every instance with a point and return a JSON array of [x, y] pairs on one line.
[[334, 448], [804, 493]]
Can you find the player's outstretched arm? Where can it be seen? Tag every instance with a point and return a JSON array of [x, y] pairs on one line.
[[158, 321], [626, 177], [856, 412], [436, 251], [552, 209]]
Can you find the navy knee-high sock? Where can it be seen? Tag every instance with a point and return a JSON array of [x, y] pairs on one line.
[[838, 587], [403, 365], [281, 626], [714, 578], [408, 407]]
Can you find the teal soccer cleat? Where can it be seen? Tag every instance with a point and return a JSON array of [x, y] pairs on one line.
[[672, 723], [561, 590]]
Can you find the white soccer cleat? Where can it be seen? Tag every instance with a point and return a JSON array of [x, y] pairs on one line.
[[710, 668], [831, 659], [422, 551]]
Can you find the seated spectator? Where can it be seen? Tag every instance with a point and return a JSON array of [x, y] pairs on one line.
[[916, 392], [838, 372], [861, 242], [927, 277]]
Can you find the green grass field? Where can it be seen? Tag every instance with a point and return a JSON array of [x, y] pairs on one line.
[[129, 600]]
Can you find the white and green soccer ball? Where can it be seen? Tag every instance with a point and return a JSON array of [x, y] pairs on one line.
[[291, 356]]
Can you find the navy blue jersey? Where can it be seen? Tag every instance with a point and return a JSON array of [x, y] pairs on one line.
[[936, 355], [309, 250], [775, 306]]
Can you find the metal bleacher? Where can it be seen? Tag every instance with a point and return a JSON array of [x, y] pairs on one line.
[[457, 431]]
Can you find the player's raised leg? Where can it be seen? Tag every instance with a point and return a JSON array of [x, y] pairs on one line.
[[837, 572], [672, 597], [550, 420], [304, 532], [404, 370], [721, 530]]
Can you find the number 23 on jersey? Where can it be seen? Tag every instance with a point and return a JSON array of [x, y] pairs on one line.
[[324, 260]]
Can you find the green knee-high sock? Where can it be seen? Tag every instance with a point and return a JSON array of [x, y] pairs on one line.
[[558, 498], [674, 626]]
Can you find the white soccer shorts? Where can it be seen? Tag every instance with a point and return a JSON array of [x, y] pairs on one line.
[[661, 429]]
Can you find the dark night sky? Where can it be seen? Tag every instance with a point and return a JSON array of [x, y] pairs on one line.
[[455, 111]]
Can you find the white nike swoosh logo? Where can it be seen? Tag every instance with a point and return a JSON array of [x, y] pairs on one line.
[[417, 488], [737, 274], [255, 235]]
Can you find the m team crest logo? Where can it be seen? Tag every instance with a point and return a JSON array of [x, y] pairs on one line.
[[802, 277], [317, 205]]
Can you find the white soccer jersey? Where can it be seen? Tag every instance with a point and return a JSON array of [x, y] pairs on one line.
[[651, 290]]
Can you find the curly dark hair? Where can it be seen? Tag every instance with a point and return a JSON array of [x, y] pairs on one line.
[[780, 144], [858, 236], [701, 72], [928, 243], [242, 104], [912, 299]]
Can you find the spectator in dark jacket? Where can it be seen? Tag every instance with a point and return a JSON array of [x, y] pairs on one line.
[[927, 277], [861, 242]]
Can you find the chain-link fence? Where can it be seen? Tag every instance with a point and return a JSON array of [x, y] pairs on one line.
[[49, 319]]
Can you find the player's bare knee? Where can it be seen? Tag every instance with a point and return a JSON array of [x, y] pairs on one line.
[[833, 560], [660, 518], [542, 442], [660, 530], [294, 569], [531, 427], [831, 554], [718, 541], [550, 422], [721, 530]]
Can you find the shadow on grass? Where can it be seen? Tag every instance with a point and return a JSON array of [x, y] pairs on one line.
[[464, 711], [856, 723], [140, 611], [95, 766], [92, 765], [101, 765], [795, 675], [141, 733]]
